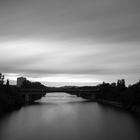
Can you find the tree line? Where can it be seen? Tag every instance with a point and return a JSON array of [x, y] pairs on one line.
[[118, 92]]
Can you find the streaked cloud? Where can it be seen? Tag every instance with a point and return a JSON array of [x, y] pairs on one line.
[[92, 39]]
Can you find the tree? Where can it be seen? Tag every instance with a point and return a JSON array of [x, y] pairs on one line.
[[121, 84], [1, 79], [7, 82]]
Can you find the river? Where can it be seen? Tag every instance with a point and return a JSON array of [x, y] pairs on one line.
[[60, 116]]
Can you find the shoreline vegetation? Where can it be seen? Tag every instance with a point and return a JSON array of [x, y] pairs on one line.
[[118, 95], [115, 94], [10, 98]]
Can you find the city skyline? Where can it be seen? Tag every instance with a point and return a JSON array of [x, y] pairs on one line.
[[73, 42]]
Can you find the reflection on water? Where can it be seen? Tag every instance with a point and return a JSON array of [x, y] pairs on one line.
[[56, 98], [64, 117]]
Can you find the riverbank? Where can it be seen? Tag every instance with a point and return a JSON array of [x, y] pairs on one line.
[[135, 108], [10, 98]]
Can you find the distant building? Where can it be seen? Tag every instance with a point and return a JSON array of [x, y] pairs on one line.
[[20, 81]]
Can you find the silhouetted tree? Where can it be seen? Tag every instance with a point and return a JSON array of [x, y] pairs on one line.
[[121, 84], [113, 85], [1, 79], [32, 85], [7, 82]]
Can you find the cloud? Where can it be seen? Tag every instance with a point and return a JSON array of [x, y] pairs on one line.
[[102, 20], [97, 38]]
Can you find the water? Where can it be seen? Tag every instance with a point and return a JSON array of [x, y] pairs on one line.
[[60, 116]]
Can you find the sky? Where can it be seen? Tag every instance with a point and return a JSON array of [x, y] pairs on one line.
[[70, 42]]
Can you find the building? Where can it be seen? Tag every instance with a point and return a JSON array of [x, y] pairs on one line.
[[20, 81]]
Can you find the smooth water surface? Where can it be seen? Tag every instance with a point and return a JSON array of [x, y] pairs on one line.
[[60, 116]]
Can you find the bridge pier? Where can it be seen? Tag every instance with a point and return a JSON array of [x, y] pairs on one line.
[[30, 95], [27, 99]]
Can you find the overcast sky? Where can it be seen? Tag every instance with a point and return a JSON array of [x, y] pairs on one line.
[[70, 41]]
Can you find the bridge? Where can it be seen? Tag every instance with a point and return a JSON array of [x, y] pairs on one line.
[[31, 95], [87, 93]]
